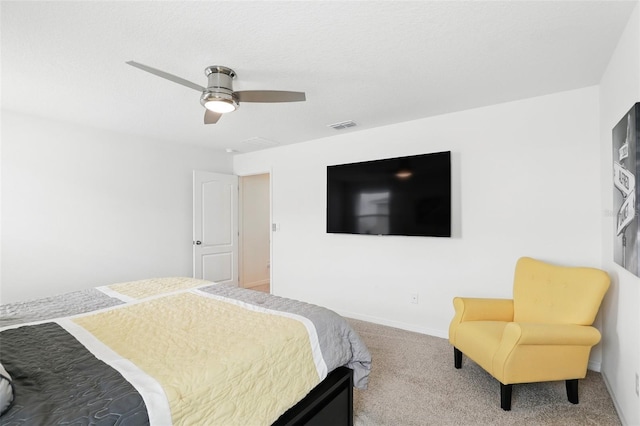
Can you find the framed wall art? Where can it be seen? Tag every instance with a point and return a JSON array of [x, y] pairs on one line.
[[626, 169]]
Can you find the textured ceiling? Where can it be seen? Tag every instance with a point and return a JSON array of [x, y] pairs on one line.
[[376, 63]]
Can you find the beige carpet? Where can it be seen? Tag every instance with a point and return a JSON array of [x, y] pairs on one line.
[[413, 382]]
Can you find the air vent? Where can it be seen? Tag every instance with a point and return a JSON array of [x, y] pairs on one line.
[[342, 125], [259, 142]]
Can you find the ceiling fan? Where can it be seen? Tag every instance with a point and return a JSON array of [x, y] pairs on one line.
[[218, 97]]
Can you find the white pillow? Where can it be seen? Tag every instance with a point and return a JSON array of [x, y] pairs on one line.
[[6, 390]]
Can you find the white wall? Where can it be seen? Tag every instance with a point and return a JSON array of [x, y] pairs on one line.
[[83, 207], [619, 90], [523, 185]]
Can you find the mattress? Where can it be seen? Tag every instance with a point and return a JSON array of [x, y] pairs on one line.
[[169, 351]]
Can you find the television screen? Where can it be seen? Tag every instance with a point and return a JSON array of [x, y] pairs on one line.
[[395, 196]]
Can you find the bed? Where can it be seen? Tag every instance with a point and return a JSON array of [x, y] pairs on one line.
[[177, 351]]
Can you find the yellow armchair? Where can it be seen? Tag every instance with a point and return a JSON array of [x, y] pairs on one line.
[[543, 334]]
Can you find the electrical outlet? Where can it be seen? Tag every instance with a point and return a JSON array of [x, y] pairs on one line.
[[637, 385], [413, 298]]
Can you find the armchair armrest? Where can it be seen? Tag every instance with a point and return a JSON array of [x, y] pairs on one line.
[[526, 350], [517, 333], [475, 309]]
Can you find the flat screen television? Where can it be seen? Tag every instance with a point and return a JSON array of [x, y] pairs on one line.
[[394, 196]]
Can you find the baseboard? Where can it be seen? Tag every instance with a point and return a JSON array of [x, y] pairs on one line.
[[395, 324], [594, 366], [613, 398]]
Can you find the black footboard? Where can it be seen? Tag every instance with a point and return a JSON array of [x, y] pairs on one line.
[[329, 403]]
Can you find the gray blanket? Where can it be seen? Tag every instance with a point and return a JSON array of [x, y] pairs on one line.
[[48, 308]]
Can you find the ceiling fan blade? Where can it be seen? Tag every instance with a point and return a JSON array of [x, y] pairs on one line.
[[269, 96], [166, 75], [211, 117]]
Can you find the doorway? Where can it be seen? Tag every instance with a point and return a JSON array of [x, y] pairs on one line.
[[255, 232]]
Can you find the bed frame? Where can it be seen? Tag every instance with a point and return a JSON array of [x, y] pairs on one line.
[[329, 403]]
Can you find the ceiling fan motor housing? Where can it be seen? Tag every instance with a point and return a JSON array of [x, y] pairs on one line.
[[220, 85]]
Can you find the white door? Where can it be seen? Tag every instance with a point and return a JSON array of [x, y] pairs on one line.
[[215, 227]]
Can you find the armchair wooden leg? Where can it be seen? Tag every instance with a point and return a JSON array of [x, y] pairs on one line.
[[457, 358], [505, 396], [572, 390]]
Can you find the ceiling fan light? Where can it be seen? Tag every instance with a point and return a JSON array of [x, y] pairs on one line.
[[221, 106]]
